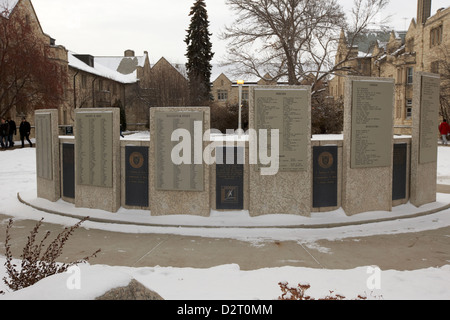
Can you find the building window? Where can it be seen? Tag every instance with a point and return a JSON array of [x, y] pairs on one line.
[[244, 95], [222, 95], [435, 67], [408, 109], [409, 75], [83, 81], [436, 36]]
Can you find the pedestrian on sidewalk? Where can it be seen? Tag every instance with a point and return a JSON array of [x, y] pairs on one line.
[[444, 130], [24, 130], [12, 132], [4, 133]]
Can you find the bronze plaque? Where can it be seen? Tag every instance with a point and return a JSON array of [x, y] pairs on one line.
[[325, 181], [230, 178]]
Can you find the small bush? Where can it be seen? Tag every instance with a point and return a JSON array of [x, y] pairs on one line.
[[299, 293], [38, 263]]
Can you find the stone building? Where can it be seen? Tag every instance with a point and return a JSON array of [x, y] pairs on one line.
[[127, 81], [103, 82], [422, 48], [225, 90]]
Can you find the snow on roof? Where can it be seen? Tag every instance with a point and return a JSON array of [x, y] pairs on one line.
[[100, 70], [8, 6], [123, 65], [229, 71]]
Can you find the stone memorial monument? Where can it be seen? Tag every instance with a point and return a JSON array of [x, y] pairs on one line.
[[47, 154], [179, 179], [368, 144], [424, 138], [97, 158], [286, 186]]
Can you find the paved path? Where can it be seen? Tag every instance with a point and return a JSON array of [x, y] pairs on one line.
[[401, 252]]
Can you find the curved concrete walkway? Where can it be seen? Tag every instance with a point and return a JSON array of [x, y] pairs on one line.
[[406, 251], [308, 225]]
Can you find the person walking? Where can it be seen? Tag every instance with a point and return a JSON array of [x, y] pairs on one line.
[[12, 132], [4, 133], [444, 130], [24, 130]]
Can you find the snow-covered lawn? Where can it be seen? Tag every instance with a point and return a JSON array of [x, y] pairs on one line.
[[227, 282]]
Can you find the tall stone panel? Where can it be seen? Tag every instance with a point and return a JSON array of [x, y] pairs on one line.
[[97, 158], [368, 143], [424, 138], [286, 187], [47, 155], [179, 187]]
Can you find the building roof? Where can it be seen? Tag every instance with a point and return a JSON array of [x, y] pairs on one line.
[[100, 70], [123, 65], [229, 72]]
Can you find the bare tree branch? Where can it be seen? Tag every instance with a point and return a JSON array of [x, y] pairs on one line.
[[293, 39]]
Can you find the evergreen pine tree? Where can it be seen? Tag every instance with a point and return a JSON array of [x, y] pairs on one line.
[[199, 54]]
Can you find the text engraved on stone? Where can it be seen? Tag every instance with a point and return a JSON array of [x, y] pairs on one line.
[[94, 138], [171, 176], [44, 150], [371, 133], [429, 112], [288, 111]]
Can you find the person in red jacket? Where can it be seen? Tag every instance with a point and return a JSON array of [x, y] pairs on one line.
[[444, 129]]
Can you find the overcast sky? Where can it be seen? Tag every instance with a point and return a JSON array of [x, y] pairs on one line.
[[109, 27]]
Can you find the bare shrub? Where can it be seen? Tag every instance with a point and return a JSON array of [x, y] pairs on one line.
[[299, 293], [38, 262]]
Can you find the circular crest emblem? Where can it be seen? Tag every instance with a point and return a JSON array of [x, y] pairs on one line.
[[136, 160], [325, 160]]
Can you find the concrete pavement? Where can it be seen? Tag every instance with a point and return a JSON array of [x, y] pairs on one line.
[[408, 251]]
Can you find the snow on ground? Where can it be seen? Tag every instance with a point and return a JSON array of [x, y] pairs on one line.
[[443, 165], [18, 174]]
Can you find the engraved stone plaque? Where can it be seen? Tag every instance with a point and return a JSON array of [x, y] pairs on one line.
[[230, 178], [136, 176], [44, 162], [429, 112], [188, 175], [325, 182], [288, 111], [371, 134], [68, 170], [399, 171], [94, 138]]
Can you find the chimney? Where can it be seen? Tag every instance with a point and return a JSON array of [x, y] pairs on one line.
[[423, 11], [129, 53]]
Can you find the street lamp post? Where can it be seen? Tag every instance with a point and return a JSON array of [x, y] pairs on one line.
[[240, 83]]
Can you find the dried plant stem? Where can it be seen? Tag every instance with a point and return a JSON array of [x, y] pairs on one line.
[[37, 263]]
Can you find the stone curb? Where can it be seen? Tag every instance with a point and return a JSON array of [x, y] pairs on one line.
[[300, 226]]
